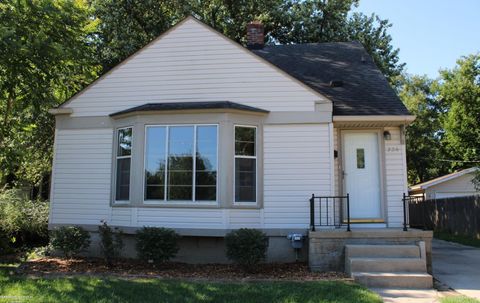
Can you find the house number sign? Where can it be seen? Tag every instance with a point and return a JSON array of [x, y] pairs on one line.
[[393, 149]]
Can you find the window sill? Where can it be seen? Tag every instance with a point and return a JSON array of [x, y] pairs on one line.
[[121, 203], [247, 205], [179, 204]]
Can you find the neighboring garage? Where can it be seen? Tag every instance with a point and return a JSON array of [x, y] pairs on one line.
[[457, 184]]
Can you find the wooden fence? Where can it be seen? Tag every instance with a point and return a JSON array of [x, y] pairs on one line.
[[460, 215]]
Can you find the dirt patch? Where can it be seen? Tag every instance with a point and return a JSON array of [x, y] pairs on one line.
[[45, 267]]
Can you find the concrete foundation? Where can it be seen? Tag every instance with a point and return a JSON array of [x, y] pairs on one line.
[[197, 250], [327, 247]]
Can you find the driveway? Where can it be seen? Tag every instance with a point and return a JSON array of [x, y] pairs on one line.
[[457, 266]]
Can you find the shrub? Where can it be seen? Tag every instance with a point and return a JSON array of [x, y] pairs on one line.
[[24, 222], [111, 242], [246, 247], [156, 244], [70, 240]]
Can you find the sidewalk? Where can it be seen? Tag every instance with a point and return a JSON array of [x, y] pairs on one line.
[[409, 295]]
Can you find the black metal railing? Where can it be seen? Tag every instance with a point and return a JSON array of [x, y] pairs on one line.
[[333, 211], [413, 211]]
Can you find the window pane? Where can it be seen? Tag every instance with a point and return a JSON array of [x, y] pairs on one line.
[[123, 180], [155, 192], [360, 158], [206, 178], [245, 180], [180, 141], [206, 164], [244, 141], [180, 193], [206, 193], [124, 142], [155, 163], [180, 163]]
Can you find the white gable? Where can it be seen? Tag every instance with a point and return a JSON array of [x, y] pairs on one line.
[[191, 63]]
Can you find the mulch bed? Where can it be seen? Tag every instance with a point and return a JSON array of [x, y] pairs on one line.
[[45, 267]]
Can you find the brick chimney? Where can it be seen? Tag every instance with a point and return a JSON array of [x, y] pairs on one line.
[[255, 35]]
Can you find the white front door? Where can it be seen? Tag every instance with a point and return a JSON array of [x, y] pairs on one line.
[[361, 167]]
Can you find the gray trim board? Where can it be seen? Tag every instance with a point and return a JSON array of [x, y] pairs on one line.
[[97, 122]]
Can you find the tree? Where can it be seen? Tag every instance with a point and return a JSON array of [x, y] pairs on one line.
[[372, 32], [125, 26], [298, 21], [460, 91], [424, 135], [44, 58], [446, 133]]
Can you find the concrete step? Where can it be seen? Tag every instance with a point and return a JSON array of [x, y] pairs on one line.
[[387, 265], [374, 251], [394, 280]]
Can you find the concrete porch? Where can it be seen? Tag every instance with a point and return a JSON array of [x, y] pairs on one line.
[[327, 246]]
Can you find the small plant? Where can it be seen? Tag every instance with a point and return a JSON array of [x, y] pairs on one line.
[[111, 242], [70, 240], [39, 252], [246, 247], [156, 244]]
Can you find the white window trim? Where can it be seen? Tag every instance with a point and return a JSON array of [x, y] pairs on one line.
[[179, 202], [250, 203], [115, 201]]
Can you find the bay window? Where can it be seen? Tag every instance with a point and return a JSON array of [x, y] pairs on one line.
[[123, 165], [181, 163], [245, 164]]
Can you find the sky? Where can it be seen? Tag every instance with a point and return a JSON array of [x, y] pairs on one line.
[[431, 34]]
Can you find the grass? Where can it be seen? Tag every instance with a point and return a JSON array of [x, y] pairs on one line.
[[465, 240], [15, 288], [459, 299]]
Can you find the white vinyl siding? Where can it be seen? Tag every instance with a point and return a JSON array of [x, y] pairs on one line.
[[457, 187], [239, 218], [296, 165], [337, 167], [82, 174], [395, 177], [192, 63], [121, 216], [181, 218]]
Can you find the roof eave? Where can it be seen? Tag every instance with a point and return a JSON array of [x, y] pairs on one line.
[[60, 111], [443, 179], [403, 118]]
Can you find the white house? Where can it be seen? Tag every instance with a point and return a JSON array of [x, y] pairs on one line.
[[457, 184], [195, 132]]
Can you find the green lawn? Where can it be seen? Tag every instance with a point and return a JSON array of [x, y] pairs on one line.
[[457, 238], [90, 289], [459, 299]]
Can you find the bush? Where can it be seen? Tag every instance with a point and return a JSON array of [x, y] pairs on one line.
[[111, 242], [70, 240], [156, 245], [24, 222], [246, 247]]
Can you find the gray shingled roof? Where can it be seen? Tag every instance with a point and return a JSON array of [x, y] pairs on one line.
[[365, 91], [189, 105]]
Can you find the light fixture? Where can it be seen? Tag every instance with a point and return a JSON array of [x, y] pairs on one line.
[[387, 136]]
